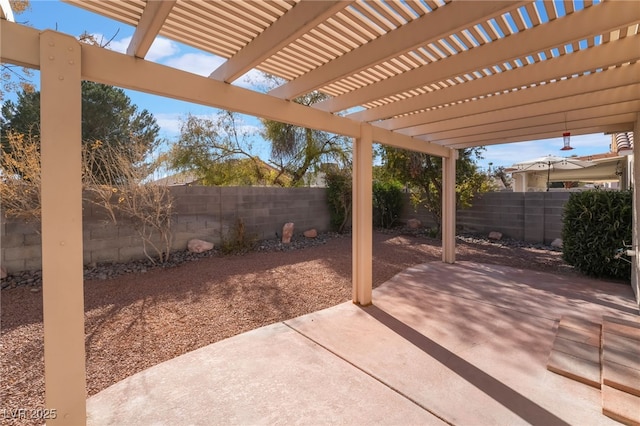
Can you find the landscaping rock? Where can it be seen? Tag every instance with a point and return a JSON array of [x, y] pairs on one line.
[[557, 243], [414, 224], [287, 232], [311, 233], [495, 235], [199, 246]]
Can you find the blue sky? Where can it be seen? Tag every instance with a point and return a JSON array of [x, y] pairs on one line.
[[73, 20]]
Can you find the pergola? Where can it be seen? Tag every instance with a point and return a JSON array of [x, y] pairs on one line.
[[431, 76]]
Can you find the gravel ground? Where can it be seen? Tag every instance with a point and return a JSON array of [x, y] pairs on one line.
[[138, 315]]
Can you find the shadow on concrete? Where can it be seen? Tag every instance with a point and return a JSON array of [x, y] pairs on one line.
[[509, 398]]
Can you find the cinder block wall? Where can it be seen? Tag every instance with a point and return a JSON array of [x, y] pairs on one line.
[[207, 213], [530, 216]]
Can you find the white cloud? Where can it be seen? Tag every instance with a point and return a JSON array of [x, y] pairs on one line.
[[161, 47], [169, 123], [196, 63], [254, 80]]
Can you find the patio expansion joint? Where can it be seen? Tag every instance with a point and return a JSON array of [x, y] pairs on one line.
[[374, 377]]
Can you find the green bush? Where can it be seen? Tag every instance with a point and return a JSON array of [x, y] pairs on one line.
[[339, 198], [596, 225], [387, 203]]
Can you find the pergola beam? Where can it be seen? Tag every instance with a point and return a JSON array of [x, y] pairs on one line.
[[619, 52], [304, 16], [424, 30], [462, 115], [569, 117], [612, 128], [578, 26], [108, 67], [532, 132], [587, 100], [153, 17]]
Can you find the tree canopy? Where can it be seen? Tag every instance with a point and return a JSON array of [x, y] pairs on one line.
[[299, 151], [219, 152], [108, 118], [14, 77], [423, 174]]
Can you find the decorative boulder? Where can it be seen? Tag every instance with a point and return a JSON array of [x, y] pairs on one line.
[[495, 236], [199, 246], [557, 243], [3, 273], [311, 233], [287, 232], [414, 223]]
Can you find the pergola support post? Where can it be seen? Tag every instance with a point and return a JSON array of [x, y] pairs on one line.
[[61, 198], [635, 265], [449, 207], [362, 221]]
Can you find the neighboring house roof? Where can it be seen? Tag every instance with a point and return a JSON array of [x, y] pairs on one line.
[[178, 179]]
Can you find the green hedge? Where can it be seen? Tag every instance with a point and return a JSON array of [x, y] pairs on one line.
[[339, 198], [596, 225], [387, 203]]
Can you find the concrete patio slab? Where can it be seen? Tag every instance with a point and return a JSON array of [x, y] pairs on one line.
[[271, 375], [621, 406], [464, 343]]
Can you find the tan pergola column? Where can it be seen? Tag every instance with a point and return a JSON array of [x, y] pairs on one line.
[[61, 196], [362, 222], [449, 208], [635, 266]]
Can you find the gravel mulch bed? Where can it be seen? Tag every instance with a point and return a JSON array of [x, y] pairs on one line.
[[138, 315]]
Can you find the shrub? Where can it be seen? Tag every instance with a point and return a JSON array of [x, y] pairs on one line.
[[339, 198], [123, 191], [596, 225], [387, 203], [237, 240], [20, 177]]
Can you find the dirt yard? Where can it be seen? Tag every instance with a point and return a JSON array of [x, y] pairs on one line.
[[138, 320]]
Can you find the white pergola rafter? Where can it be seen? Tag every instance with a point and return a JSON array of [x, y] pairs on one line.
[[559, 94], [542, 134], [620, 52], [577, 127], [568, 119], [529, 109], [578, 26], [426, 29], [305, 15], [153, 17]]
